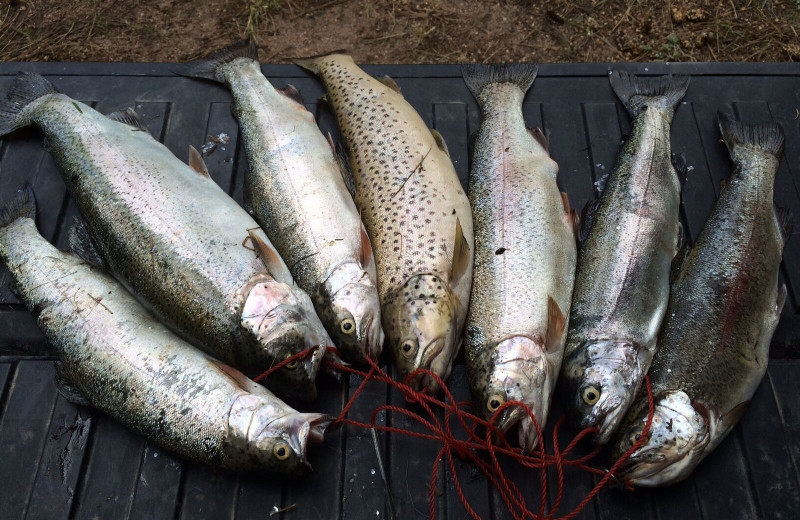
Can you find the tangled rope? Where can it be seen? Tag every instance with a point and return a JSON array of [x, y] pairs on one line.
[[475, 448]]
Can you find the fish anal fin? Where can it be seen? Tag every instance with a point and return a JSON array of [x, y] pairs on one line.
[[292, 93], [129, 117], [197, 163], [540, 138], [389, 82], [556, 322], [461, 255], [440, 141], [67, 391], [81, 243], [781, 299], [586, 219], [785, 222], [270, 258]]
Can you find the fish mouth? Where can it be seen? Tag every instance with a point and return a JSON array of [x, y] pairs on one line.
[[425, 382], [606, 419]]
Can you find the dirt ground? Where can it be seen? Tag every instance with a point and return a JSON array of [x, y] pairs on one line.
[[404, 31]]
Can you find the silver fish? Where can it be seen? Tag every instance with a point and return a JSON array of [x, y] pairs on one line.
[[415, 211], [116, 357], [298, 195], [174, 238], [525, 256], [622, 281], [724, 306]]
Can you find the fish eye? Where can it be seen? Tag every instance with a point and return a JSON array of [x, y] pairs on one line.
[[281, 451], [408, 347], [591, 394], [494, 402], [293, 363], [347, 326]]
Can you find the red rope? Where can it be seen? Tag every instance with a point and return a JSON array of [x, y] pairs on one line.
[[475, 448]]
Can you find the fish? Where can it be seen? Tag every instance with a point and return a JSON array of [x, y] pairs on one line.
[[627, 242], [296, 188], [415, 211], [115, 356], [525, 255], [174, 238], [725, 303]]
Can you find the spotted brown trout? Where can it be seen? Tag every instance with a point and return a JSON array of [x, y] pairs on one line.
[[630, 236], [115, 356], [724, 306], [298, 195], [174, 238], [415, 211], [524, 256]]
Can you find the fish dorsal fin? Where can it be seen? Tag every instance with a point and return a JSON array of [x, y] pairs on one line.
[[440, 141], [461, 255], [82, 244], [270, 258], [129, 117], [292, 93], [344, 166], [389, 82], [586, 220], [556, 322], [540, 138], [366, 248], [785, 222], [197, 163]]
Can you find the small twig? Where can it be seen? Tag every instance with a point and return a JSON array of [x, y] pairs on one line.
[[285, 509], [392, 514]]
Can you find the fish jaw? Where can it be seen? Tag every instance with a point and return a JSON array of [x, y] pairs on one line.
[[676, 442], [350, 306], [423, 330], [601, 380]]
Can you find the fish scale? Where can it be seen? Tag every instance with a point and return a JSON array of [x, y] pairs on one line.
[[411, 200]]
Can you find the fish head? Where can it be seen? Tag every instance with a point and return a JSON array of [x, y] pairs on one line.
[[520, 372], [282, 320], [423, 329], [351, 307], [601, 379], [675, 444]]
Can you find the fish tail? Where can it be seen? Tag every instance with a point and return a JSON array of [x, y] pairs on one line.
[[637, 93], [207, 67], [477, 76], [312, 63], [766, 137], [23, 205], [26, 88]]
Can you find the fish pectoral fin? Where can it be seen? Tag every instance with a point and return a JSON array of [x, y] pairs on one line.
[[129, 117], [785, 222], [730, 418], [461, 255], [677, 262], [82, 244], [366, 248], [67, 391], [572, 216], [389, 82], [586, 220], [270, 258], [540, 138], [781, 299], [239, 379], [344, 166], [197, 163], [556, 322], [292, 93], [440, 141]]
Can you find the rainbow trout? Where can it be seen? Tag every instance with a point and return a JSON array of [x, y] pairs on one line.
[[524, 256], [724, 306], [174, 238], [630, 236], [298, 195], [115, 356], [415, 211]]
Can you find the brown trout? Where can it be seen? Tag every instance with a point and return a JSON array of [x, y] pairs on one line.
[[298, 195], [415, 211], [524, 256], [116, 357], [724, 306], [174, 238], [630, 236]]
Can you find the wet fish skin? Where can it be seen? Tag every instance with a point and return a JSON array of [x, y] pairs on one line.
[[525, 254], [125, 363], [724, 306], [415, 212], [298, 195], [622, 280], [175, 239]]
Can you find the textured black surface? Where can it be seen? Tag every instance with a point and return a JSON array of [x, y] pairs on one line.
[[58, 461]]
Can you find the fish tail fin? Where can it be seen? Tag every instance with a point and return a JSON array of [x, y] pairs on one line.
[[23, 205], [766, 137], [478, 76], [637, 93], [312, 63], [26, 88], [207, 67]]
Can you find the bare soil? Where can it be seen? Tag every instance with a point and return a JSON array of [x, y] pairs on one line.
[[404, 31]]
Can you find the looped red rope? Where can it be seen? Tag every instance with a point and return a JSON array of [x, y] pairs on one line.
[[475, 448]]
